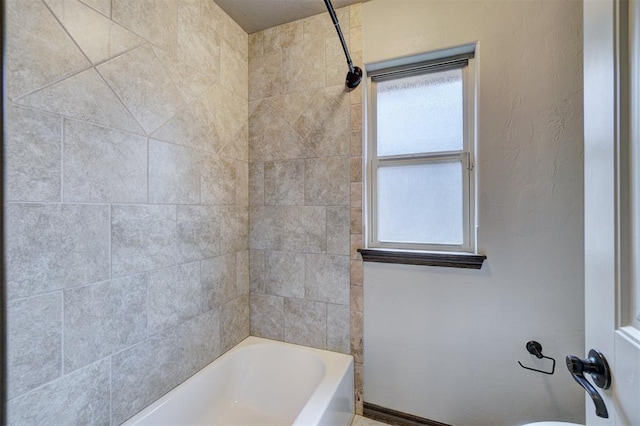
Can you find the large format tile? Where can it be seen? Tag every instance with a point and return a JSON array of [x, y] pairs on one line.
[[325, 126], [103, 165], [32, 150], [265, 75], [101, 319], [154, 20], [338, 338], [284, 183], [34, 342], [81, 397], [284, 274], [190, 127], [235, 322], [267, 316], [99, 37], [271, 138], [227, 113], [338, 232], [305, 323], [218, 184], [234, 73], [174, 296], [102, 6], [198, 229], [140, 80], [243, 285], [39, 51], [189, 81], [303, 66], [283, 36], [197, 38], [54, 246], [266, 228], [327, 278], [219, 280], [256, 184], [305, 229], [256, 270], [242, 183], [291, 106], [86, 97], [143, 238], [174, 174], [201, 342], [327, 181], [143, 373], [234, 228]]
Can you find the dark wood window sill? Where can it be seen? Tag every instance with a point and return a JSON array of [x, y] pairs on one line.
[[446, 260]]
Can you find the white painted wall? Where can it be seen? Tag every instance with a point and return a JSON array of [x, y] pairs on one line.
[[443, 343]]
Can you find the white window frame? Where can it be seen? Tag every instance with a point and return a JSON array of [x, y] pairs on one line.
[[466, 156]]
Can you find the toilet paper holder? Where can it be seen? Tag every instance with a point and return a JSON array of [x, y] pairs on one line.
[[535, 348]]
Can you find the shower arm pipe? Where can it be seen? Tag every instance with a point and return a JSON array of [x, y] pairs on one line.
[[336, 24]]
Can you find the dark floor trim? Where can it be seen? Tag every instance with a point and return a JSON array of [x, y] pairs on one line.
[[447, 260], [397, 418]]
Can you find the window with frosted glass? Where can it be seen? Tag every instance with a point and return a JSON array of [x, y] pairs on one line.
[[421, 158]]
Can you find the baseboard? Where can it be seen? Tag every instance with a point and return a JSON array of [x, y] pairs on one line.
[[397, 418]]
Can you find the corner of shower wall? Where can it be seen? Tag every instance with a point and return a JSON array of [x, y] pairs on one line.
[[305, 186]]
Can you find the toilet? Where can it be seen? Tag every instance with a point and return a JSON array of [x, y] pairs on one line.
[[551, 424]]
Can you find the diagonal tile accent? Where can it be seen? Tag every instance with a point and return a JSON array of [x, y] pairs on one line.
[[84, 96], [291, 106], [153, 20], [140, 80], [198, 41], [209, 123], [325, 126], [102, 6], [99, 37], [272, 138], [189, 82], [39, 51]]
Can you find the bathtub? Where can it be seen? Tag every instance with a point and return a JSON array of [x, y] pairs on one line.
[[261, 382]]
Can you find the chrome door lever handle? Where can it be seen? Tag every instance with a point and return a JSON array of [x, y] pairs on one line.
[[597, 367]]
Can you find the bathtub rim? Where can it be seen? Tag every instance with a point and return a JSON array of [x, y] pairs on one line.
[[336, 367]]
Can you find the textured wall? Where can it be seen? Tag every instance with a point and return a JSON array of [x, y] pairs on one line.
[[444, 343], [127, 189], [302, 123]]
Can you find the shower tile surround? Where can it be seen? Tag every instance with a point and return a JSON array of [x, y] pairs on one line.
[[127, 202], [150, 145], [305, 186]]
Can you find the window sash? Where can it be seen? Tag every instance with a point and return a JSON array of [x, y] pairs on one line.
[[465, 156]]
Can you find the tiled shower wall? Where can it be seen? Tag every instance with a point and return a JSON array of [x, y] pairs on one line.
[[127, 202], [304, 186]]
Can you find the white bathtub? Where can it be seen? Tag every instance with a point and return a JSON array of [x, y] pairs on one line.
[[261, 382]]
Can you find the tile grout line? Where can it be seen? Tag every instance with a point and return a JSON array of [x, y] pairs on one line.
[[62, 335], [62, 143]]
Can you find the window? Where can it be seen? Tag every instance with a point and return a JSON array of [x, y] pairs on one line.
[[421, 192]]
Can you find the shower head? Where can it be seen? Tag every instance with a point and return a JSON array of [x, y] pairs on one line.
[[354, 77]]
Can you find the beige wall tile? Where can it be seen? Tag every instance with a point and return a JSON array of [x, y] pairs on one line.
[[265, 75], [267, 316], [99, 37], [357, 272], [283, 36], [39, 51], [356, 194], [356, 169]]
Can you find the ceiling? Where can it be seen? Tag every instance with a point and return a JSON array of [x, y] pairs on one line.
[[256, 15]]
